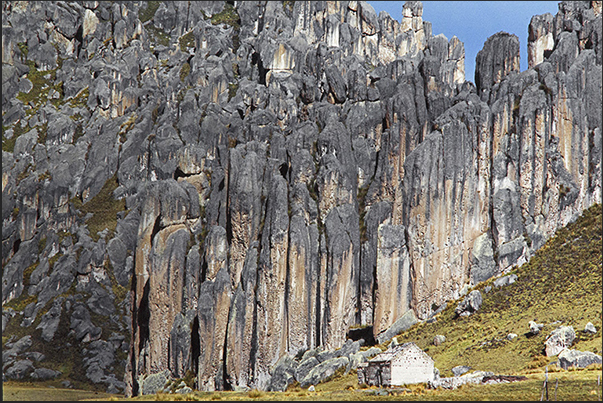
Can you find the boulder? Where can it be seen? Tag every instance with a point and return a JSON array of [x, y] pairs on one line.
[[505, 280], [325, 355], [184, 390], [82, 326], [574, 358], [470, 304], [305, 367], [535, 327], [323, 371], [371, 352], [559, 339], [511, 336], [350, 347], [34, 355], [43, 374], [456, 381], [283, 375], [20, 346], [590, 328], [19, 370], [50, 320], [154, 383], [460, 370], [404, 323], [439, 339]]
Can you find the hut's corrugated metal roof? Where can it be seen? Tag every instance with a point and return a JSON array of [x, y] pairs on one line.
[[388, 355]]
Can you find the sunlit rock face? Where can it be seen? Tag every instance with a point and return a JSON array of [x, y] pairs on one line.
[[209, 187]]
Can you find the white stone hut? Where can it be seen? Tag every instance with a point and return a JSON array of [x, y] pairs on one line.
[[403, 364]]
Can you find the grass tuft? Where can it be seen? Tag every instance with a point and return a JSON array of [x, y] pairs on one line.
[[227, 16], [104, 208], [148, 13]]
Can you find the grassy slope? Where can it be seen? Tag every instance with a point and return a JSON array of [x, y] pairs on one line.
[[560, 285], [562, 282]]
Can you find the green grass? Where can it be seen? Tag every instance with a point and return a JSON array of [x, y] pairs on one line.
[[227, 16], [232, 90], [573, 385], [149, 12], [24, 49], [38, 95], [158, 35], [103, 207], [81, 99], [185, 71], [187, 41], [8, 145], [561, 282], [34, 392]]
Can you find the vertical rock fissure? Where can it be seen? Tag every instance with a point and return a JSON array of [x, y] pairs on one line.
[[134, 325], [226, 384], [254, 344], [195, 346], [287, 293], [144, 315]]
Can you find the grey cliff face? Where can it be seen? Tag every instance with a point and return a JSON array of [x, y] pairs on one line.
[[211, 188]]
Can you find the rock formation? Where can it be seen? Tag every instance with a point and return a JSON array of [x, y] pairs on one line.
[[213, 186]]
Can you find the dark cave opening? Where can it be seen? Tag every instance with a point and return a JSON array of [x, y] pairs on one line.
[[16, 246], [284, 169], [365, 333]]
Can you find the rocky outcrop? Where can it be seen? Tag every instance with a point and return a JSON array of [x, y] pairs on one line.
[[470, 304], [580, 359], [559, 340], [214, 186], [535, 328]]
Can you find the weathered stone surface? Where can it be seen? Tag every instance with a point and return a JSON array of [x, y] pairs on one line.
[[580, 359], [483, 265], [498, 58], [505, 280], [82, 326], [43, 374], [439, 339], [19, 370], [393, 295], [404, 323], [323, 370], [214, 304], [284, 374], [475, 377], [305, 367], [590, 328], [470, 304], [50, 320], [535, 328], [460, 370], [559, 340], [154, 383]]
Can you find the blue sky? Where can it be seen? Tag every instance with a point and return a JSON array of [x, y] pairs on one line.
[[474, 21]]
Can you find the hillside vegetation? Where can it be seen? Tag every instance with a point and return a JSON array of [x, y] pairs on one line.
[[560, 285]]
